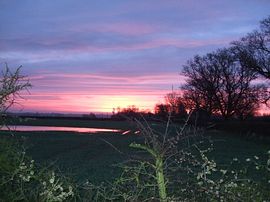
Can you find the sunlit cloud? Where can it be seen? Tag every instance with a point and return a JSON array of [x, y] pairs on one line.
[[95, 92]]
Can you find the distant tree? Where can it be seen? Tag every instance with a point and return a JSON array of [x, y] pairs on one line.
[[128, 112], [130, 109], [90, 116], [162, 110], [11, 84], [254, 49], [218, 83], [173, 106]]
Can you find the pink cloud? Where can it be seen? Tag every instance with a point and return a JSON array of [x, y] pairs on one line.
[[94, 92], [90, 79]]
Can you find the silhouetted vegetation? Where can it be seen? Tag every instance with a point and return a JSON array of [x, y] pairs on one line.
[[221, 82], [254, 52], [254, 49], [131, 112], [218, 83], [173, 107], [11, 83]]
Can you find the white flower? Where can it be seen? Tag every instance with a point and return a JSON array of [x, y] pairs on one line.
[[199, 176], [51, 180], [223, 171], [248, 159], [256, 157]]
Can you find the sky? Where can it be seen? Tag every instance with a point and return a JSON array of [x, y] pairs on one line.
[[86, 56]]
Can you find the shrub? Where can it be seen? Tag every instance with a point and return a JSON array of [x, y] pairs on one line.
[[22, 180]]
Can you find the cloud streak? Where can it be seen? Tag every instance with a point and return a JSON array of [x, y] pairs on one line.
[[95, 92]]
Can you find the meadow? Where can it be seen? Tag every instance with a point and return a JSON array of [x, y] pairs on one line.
[[95, 156], [98, 159]]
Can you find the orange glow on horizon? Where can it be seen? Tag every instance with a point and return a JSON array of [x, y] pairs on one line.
[[85, 93], [110, 102], [86, 104]]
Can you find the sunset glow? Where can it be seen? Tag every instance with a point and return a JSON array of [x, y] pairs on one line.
[[93, 56], [96, 93]]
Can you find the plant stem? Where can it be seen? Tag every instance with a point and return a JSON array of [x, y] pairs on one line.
[[160, 179], [158, 167]]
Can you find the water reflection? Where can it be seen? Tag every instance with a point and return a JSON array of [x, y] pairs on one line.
[[56, 128]]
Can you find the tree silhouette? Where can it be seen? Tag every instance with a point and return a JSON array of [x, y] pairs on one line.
[[176, 106], [254, 49], [173, 107], [219, 83], [254, 52], [162, 110]]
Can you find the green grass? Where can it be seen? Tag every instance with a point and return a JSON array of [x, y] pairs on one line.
[[82, 156], [91, 157], [229, 145], [247, 127]]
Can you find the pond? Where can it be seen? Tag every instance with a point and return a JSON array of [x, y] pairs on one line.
[[56, 128]]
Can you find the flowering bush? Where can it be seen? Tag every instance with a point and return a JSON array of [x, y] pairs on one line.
[[22, 180]]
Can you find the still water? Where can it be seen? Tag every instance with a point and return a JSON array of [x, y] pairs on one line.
[[55, 128]]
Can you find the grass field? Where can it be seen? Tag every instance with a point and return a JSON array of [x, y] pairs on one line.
[[93, 156]]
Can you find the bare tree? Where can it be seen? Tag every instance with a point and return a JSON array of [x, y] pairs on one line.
[[218, 83], [254, 53], [202, 83], [173, 107], [175, 103], [254, 49], [11, 84]]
